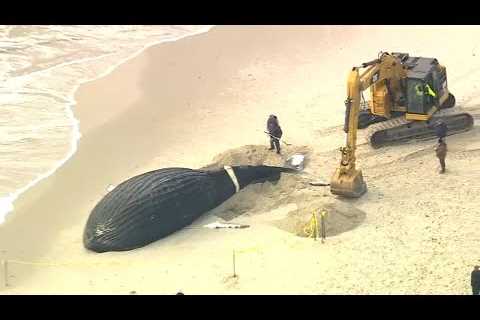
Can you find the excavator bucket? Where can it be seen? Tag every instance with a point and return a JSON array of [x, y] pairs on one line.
[[348, 184]]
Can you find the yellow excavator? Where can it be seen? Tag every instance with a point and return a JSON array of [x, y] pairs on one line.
[[409, 96]]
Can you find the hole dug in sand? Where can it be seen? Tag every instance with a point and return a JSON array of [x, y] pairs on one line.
[[341, 217], [292, 191]]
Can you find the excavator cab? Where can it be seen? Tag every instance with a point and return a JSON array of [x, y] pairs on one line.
[[419, 96], [427, 89]]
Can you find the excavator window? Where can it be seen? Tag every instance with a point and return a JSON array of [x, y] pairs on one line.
[[431, 92], [416, 96]]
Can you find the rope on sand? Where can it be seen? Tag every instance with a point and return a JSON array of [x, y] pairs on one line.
[[4, 266], [63, 264]]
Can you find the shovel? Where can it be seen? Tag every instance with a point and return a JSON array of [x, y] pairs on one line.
[[287, 144]]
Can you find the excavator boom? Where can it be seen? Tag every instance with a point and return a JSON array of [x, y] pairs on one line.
[[347, 181]]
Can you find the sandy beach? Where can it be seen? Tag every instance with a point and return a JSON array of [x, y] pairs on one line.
[[206, 99]]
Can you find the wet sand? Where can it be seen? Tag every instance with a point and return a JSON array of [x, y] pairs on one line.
[[183, 103]]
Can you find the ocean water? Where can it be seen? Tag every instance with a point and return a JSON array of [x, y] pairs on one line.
[[41, 67]]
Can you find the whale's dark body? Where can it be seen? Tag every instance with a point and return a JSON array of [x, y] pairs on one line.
[[150, 206]]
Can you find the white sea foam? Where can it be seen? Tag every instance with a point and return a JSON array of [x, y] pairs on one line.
[[42, 68]]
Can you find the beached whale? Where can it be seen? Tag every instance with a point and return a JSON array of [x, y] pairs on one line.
[[150, 206]]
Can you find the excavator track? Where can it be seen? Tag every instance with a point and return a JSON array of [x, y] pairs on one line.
[[400, 130]]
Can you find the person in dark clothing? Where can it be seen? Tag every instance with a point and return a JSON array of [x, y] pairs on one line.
[[273, 128], [476, 281], [441, 151], [441, 129]]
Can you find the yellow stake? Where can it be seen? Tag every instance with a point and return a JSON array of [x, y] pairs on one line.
[[311, 229], [322, 217]]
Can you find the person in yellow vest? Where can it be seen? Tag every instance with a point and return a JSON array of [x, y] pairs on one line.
[[429, 91], [419, 90], [426, 89]]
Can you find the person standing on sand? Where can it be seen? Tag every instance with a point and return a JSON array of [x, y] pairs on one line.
[[441, 129], [441, 151], [275, 132], [475, 281]]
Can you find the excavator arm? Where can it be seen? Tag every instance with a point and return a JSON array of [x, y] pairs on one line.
[[347, 180]]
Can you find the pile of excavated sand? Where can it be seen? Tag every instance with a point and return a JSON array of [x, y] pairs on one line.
[[290, 189], [256, 155]]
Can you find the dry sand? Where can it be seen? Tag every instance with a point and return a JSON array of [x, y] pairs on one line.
[[187, 103]]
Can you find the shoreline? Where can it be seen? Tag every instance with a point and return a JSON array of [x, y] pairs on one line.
[[184, 103], [7, 203], [110, 118]]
